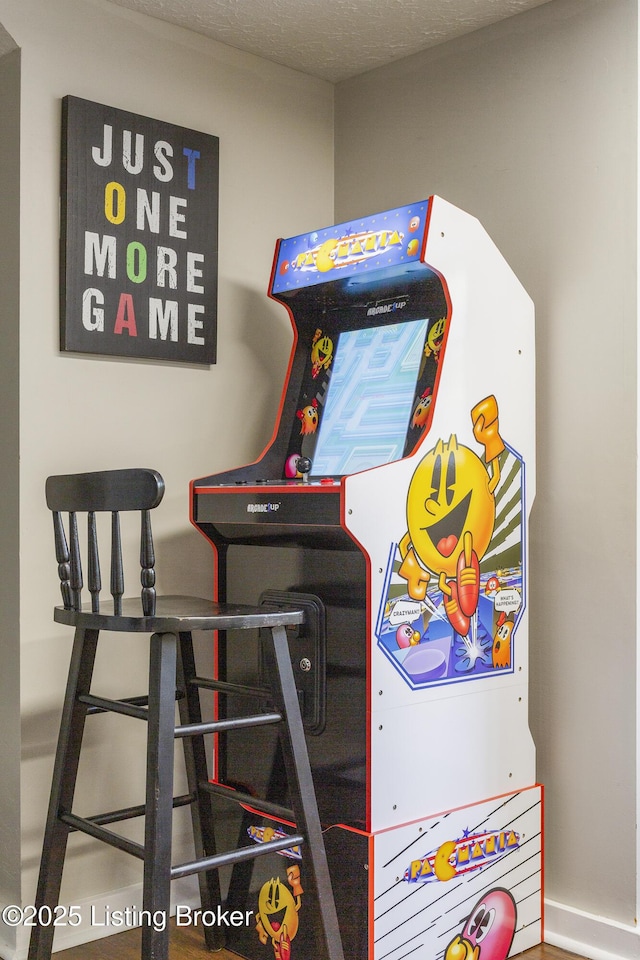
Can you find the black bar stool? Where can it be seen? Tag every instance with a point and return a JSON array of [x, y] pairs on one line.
[[172, 675]]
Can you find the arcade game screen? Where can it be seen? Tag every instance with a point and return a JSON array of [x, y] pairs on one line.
[[370, 398], [365, 388]]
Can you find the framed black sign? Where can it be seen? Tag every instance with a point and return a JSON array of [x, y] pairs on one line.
[[139, 236]]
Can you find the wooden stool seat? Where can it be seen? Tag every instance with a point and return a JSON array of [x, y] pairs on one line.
[[170, 622], [175, 613]]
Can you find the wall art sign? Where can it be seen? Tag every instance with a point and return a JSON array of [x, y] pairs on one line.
[[139, 236]]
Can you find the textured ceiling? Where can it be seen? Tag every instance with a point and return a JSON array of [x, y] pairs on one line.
[[331, 39]]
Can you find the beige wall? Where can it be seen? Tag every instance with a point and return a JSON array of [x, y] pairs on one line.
[[9, 480], [531, 126], [276, 137]]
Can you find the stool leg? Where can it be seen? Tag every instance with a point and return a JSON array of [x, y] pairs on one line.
[[156, 896], [303, 797], [201, 812], [63, 787]]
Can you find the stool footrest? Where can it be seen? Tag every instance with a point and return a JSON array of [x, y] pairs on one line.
[[246, 799], [235, 856], [137, 707], [131, 707], [83, 825], [223, 686], [233, 723], [130, 813]]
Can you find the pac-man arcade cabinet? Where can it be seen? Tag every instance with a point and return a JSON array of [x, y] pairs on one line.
[[399, 478]]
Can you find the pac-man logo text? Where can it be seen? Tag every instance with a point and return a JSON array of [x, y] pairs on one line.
[[346, 251], [264, 834], [456, 857]]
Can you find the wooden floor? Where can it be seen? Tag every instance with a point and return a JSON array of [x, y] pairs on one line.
[[188, 944]]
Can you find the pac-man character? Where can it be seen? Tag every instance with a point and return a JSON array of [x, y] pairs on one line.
[[308, 417], [421, 411], [412, 248], [414, 223], [450, 517], [433, 344], [277, 914], [321, 353], [442, 863], [488, 932], [325, 256], [406, 636], [501, 650]]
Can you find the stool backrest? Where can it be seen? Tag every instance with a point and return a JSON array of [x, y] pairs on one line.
[[112, 491]]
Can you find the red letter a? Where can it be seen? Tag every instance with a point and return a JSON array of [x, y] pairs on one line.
[[126, 317]]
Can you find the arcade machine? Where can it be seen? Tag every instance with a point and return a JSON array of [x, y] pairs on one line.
[[400, 478]]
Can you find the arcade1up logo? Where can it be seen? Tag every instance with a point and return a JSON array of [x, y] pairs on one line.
[[139, 240]]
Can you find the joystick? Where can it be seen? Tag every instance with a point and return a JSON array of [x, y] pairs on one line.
[[303, 466]]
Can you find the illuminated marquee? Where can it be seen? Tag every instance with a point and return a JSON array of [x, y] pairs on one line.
[[457, 857], [346, 251]]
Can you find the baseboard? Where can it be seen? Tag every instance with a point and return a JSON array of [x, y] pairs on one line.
[[106, 915], [589, 936]]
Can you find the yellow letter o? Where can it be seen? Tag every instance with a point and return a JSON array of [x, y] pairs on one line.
[[115, 202]]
